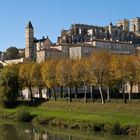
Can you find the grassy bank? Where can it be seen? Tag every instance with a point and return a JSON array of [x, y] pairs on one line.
[[114, 117]]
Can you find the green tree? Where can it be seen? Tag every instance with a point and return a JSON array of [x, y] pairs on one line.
[[8, 86], [12, 53]]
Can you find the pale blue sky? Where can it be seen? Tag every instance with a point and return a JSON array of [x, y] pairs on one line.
[[50, 16]]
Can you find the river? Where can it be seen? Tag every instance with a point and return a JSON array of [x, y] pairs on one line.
[[25, 131]]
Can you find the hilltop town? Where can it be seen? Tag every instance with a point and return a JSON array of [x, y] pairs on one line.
[[79, 41]]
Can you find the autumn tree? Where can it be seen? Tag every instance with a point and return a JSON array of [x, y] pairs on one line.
[[112, 74], [64, 75], [99, 68], [25, 79], [80, 75], [131, 72], [48, 72], [36, 77]]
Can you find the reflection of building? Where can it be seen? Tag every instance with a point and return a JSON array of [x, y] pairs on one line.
[[81, 40]]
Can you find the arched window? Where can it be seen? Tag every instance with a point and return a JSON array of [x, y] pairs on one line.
[[134, 27]]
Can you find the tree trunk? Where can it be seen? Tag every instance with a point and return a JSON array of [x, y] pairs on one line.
[[40, 92], [49, 93], [85, 96], [130, 93], [69, 93], [108, 93], [101, 94], [76, 92], [61, 92], [54, 93], [124, 98], [55, 137], [70, 137], [30, 89], [91, 93]]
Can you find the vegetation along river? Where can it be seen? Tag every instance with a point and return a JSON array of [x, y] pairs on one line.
[[26, 131]]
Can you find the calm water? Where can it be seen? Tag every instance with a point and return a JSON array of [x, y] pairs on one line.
[[29, 132]]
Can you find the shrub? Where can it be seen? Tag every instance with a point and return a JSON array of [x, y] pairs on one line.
[[43, 119], [24, 116], [116, 129]]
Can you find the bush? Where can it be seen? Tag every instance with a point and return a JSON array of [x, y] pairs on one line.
[[117, 129], [24, 116], [43, 119]]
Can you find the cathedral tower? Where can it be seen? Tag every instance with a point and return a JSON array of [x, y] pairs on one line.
[[29, 35], [124, 24], [135, 25]]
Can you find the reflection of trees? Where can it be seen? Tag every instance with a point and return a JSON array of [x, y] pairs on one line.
[[23, 132], [41, 136], [70, 137], [8, 132]]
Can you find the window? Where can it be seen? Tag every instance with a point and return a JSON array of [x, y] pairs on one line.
[[134, 27]]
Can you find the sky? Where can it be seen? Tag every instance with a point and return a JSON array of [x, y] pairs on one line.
[[49, 17]]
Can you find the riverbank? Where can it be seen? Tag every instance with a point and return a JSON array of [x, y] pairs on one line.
[[114, 117]]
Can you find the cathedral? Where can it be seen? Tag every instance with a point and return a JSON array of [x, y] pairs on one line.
[[81, 40]]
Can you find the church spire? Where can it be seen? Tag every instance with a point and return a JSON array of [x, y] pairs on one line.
[[29, 25]]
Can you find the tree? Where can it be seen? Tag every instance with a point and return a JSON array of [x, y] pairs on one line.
[[12, 53], [64, 75], [48, 72], [76, 75], [112, 74], [8, 86], [1, 66], [25, 79], [131, 72], [99, 68], [36, 77], [80, 74], [128, 72]]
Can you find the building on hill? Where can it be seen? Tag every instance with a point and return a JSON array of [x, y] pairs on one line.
[[33, 45], [81, 40], [80, 33]]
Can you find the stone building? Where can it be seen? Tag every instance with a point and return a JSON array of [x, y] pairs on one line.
[[35, 46], [80, 33], [122, 38], [115, 47]]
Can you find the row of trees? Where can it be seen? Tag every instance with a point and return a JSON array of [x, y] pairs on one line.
[[101, 69]]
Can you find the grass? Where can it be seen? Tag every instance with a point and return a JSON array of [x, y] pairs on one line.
[[85, 113], [92, 112]]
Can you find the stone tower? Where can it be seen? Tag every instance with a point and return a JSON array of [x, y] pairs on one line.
[[124, 24], [110, 28], [29, 35], [135, 25]]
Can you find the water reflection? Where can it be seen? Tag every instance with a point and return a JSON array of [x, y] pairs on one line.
[[29, 132]]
